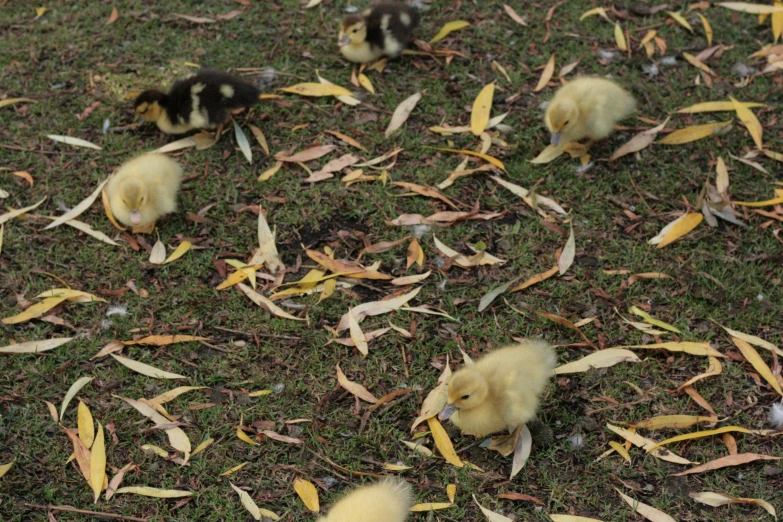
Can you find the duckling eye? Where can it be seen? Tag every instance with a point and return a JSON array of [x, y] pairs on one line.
[[566, 122], [465, 397], [355, 30]]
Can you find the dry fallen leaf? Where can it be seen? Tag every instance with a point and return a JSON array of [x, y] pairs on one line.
[[699, 435], [600, 359], [546, 75], [694, 133], [98, 464], [244, 145], [482, 107], [307, 493], [568, 254], [491, 515], [35, 346], [78, 209], [402, 113], [719, 499], [71, 393], [645, 443], [514, 16], [4, 468], [431, 506], [85, 424], [731, 460], [355, 388], [671, 422], [113, 16], [677, 229], [443, 442], [317, 89], [648, 512], [177, 437], [693, 348], [750, 121], [619, 37], [639, 142], [77, 142], [753, 357], [158, 254], [154, 492], [448, 28], [746, 7], [436, 399], [373, 308], [146, 369]]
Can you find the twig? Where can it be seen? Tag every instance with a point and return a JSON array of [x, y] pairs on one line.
[[85, 512]]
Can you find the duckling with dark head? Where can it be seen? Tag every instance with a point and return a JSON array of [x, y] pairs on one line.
[[203, 101], [385, 29]]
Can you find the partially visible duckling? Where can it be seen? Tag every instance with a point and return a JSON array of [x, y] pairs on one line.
[[202, 101], [501, 390], [144, 189], [386, 501], [587, 107], [382, 30]]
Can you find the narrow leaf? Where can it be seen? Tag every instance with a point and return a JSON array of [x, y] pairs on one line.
[[308, 494], [244, 145], [98, 464], [146, 369], [71, 393], [546, 75], [448, 28], [402, 113], [355, 388], [443, 443], [35, 346], [482, 106]]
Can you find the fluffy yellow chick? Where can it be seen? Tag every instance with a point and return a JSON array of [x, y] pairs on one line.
[[144, 189], [501, 390], [587, 108], [386, 501], [382, 30]]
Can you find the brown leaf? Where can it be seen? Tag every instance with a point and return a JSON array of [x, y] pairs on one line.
[[113, 16], [195, 19], [282, 438], [307, 155], [521, 496], [425, 191], [340, 267], [355, 388], [383, 246], [514, 16], [639, 142], [731, 460]]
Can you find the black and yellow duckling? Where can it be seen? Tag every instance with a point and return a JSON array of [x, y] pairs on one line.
[[202, 101], [382, 30]]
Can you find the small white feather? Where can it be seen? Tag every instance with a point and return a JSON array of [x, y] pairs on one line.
[[121, 310], [776, 415]]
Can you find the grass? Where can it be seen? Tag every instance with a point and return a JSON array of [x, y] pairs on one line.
[[727, 274]]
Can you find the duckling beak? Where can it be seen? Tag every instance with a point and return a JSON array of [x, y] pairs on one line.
[[344, 40], [135, 217], [556, 137], [447, 411]]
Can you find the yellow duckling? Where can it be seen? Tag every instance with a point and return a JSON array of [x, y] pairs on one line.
[[382, 30], [587, 108], [386, 501], [203, 101], [501, 390], [144, 189]]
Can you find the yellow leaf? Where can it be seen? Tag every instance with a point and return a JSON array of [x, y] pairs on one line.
[[719, 499], [39, 11], [431, 506], [514, 16], [482, 106], [241, 435], [348, 100], [753, 357], [107, 210], [697, 132], [765, 203], [264, 302], [722, 177], [235, 278], [448, 28], [548, 155], [777, 21], [546, 75], [402, 113], [71, 393], [681, 227], [15, 213], [201, 447], [648, 512], [451, 491], [267, 174], [35, 311], [595, 11], [600, 359], [699, 435], [680, 20], [260, 138], [572, 518], [259, 393], [163, 340], [677, 422], [86, 425], [146, 369], [98, 464], [489, 159], [644, 443], [619, 448], [697, 63], [11, 101], [158, 254], [649, 319], [491, 515], [308, 494], [170, 395], [160, 452], [691, 348], [443, 443], [4, 468], [155, 492], [707, 27], [177, 438], [568, 253], [746, 7], [755, 341], [619, 37], [179, 252], [317, 89], [357, 335], [234, 469], [365, 82], [355, 388], [750, 121]]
